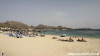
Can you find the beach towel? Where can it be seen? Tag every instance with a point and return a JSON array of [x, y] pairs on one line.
[[10, 35]]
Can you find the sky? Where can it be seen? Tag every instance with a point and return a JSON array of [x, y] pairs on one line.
[[67, 13]]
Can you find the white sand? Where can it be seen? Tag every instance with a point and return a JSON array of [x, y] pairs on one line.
[[46, 46]]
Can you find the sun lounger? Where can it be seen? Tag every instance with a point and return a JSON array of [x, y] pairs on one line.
[[11, 35]]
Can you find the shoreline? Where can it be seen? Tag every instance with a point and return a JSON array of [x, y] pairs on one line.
[[86, 34], [74, 36]]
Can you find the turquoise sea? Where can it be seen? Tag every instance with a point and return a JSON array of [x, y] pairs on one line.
[[78, 33]]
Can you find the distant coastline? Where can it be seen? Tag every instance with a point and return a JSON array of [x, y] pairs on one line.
[[20, 26]]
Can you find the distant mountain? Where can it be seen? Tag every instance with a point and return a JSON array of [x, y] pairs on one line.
[[41, 26], [14, 25]]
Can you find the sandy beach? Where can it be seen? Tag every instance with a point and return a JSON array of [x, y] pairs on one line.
[[46, 46]]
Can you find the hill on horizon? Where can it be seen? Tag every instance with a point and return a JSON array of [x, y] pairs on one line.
[[14, 25]]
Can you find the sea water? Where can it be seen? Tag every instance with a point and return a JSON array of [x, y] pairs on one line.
[[78, 33]]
